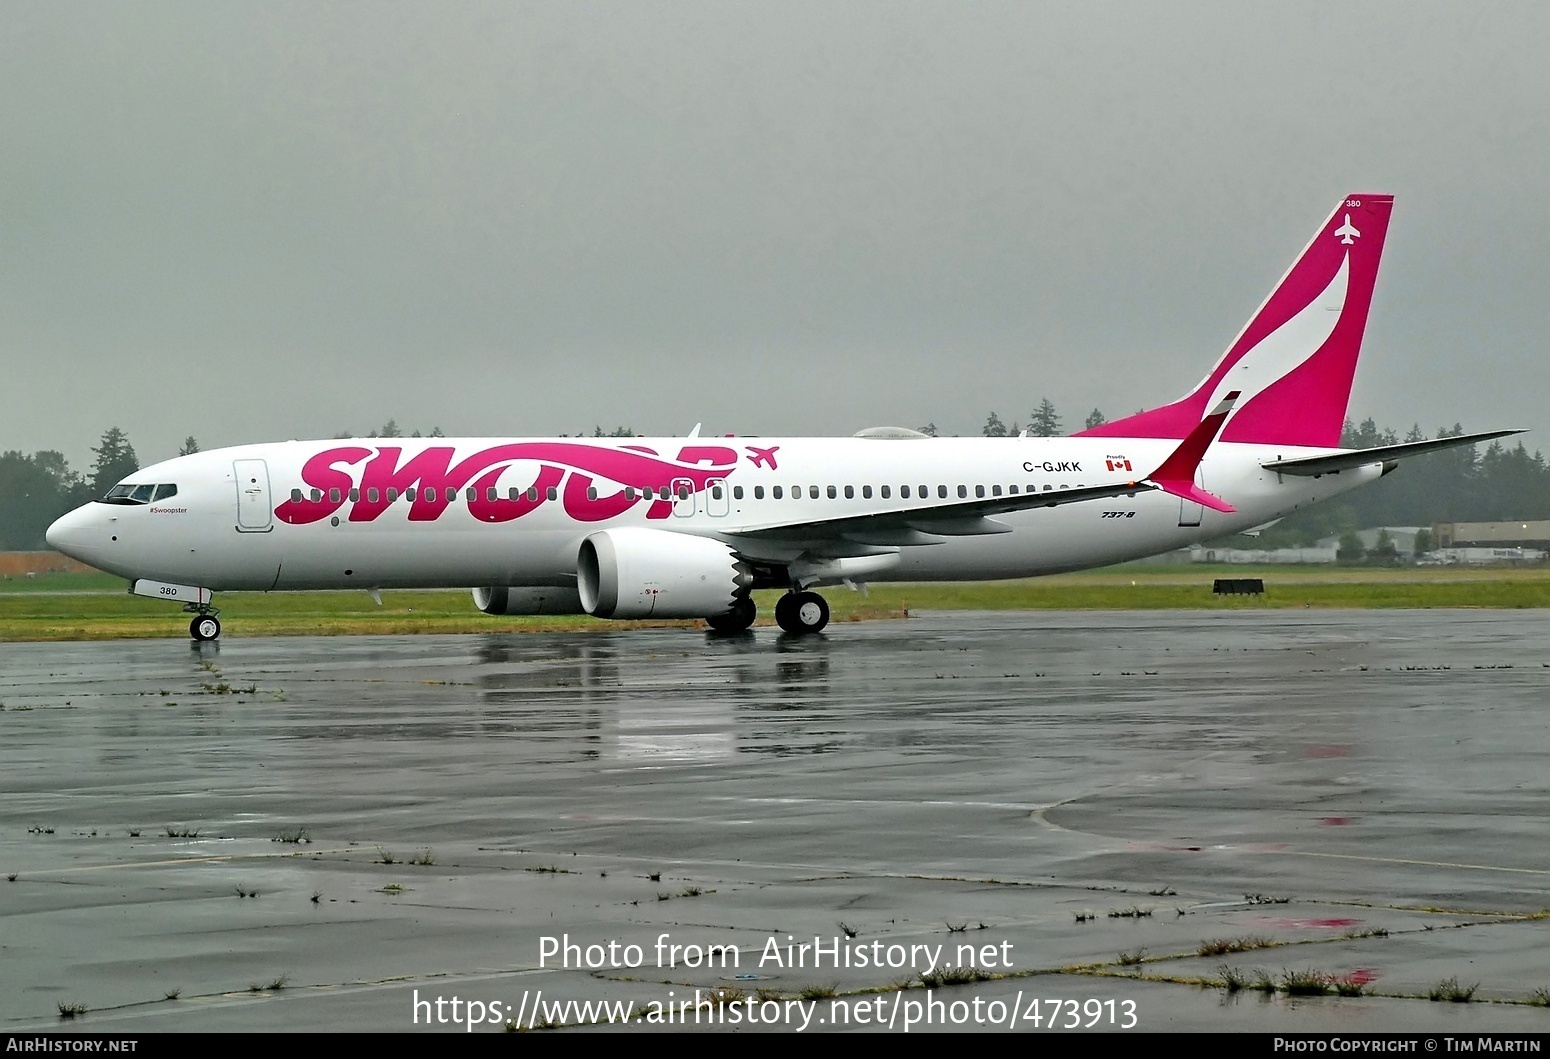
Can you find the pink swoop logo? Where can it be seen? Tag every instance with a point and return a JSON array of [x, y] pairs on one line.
[[571, 468]]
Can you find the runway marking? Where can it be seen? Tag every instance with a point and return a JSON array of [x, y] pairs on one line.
[[190, 860], [1406, 860]]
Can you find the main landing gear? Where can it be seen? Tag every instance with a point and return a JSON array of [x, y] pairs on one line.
[[801, 612], [205, 627], [739, 618], [795, 612]]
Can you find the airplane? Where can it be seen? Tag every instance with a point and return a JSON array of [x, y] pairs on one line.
[[688, 527]]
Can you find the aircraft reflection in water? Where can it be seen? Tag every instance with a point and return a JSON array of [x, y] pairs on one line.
[[569, 690]]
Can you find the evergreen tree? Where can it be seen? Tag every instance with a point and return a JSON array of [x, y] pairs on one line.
[[34, 491], [929, 430], [1351, 550], [190, 446], [1044, 423], [1383, 549], [1095, 418], [116, 461], [993, 427]]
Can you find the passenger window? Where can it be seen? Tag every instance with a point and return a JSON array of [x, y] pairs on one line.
[[715, 492], [532, 493], [335, 496], [832, 493], [941, 491], [995, 490], [591, 492], [850, 492], [812, 491], [775, 492], [866, 492], [925, 491], [490, 493], [554, 494], [471, 494], [904, 491], [737, 492], [317, 495], [885, 490], [758, 492], [295, 496], [1013, 490], [979, 490], [629, 492], [683, 492], [409, 493], [355, 494], [392, 495]]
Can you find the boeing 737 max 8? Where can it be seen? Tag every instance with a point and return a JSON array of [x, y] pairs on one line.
[[687, 527]]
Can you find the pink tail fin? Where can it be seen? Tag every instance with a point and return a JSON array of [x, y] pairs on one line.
[[1295, 360]]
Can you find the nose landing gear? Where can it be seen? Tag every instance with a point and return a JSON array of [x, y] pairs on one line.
[[802, 612], [205, 627]]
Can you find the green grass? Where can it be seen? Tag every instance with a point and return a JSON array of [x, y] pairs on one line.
[[92, 582], [104, 610]]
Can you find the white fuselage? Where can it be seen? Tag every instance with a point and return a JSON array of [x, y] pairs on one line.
[[310, 515]]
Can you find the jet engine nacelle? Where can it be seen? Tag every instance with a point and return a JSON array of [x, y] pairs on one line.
[[634, 572], [504, 599]]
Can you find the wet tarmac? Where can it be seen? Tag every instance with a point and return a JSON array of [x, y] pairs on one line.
[[1076, 802]]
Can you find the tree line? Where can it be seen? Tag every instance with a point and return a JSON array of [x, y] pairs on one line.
[[36, 489], [1502, 482]]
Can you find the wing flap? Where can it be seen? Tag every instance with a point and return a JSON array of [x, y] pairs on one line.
[[972, 526]]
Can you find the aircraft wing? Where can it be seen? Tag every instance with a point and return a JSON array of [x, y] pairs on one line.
[[924, 523], [928, 522], [1335, 462]]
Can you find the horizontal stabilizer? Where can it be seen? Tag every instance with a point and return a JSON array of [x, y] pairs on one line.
[[1309, 466]]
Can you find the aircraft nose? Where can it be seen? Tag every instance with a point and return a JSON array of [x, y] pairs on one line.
[[71, 534]]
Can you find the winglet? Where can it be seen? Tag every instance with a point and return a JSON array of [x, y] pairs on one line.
[[1177, 473]]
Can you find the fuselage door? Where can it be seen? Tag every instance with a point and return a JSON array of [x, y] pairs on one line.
[[717, 503], [254, 512], [683, 497]]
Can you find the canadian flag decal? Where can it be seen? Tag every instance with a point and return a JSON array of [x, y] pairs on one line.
[[1117, 463]]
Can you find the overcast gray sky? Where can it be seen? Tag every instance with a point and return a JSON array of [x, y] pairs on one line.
[[250, 222]]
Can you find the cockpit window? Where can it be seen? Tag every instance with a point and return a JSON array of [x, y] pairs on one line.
[[132, 494]]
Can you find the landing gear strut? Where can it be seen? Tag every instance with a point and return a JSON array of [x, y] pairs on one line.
[[802, 612], [737, 619], [206, 626]]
